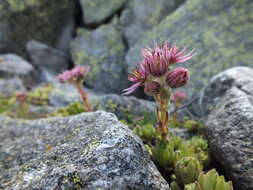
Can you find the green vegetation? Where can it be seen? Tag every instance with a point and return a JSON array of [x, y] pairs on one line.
[[72, 109], [210, 181], [11, 107], [182, 162]]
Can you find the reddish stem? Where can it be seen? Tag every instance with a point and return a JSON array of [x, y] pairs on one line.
[[84, 96]]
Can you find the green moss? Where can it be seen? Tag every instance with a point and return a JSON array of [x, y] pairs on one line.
[[192, 125], [7, 105], [40, 96], [72, 109]]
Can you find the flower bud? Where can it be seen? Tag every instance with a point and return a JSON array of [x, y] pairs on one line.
[[21, 97], [177, 78], [152, 88], [178, 97]]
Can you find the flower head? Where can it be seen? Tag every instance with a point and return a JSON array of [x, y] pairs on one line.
[[175, 55], [155, 60], [177, 78], [78, 73], [156, 64], [138, 76], [178, 97]]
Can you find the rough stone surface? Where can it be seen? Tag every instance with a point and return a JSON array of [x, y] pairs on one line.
[[126, 107], [229, 126], [239, 77], [103, 50], [49, 61], [14, 66], [87, 151], [143, 15], [10, 86], [122, 106], [220, 31], [98, 11], [48, 21]]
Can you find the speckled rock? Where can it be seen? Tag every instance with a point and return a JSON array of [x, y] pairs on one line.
[[123, 107], [48, 21], [14, 66], [142, 15], [229, 125], [87, 151], [11, 85], [220, 31], [103, 50], [49, 61], [98, 11], [239, 77]]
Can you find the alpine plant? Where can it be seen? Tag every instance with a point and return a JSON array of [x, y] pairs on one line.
[[154, 73], [76, 77]]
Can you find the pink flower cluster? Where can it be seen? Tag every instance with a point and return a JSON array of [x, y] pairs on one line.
[[153, 71], [76, 74], [21, 97], [178, 97]]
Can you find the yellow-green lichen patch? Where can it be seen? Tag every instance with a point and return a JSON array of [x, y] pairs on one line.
[[220, 31], [103, 50]]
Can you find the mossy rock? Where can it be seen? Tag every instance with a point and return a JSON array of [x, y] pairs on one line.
[[42, 20], [97, 11], [142, 15], [220, 31], [103, 50]]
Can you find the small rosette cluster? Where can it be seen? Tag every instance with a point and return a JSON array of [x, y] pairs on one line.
[[74, 75], [154, 73], [210, 181]]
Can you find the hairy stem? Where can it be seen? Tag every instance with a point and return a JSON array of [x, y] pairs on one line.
[[162, 114], [84, 96]]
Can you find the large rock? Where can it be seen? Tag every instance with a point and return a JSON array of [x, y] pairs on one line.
[[124, 107], [10, 86], [87, 151], [12, 66], [142, 15], [229, 125], [220, 31], [48, 21], [98, 11], [239, 77], [49, 61], [103, 50]]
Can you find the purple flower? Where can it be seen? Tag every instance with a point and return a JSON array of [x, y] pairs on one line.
[[156, 64], [78, 73], [177, 78], [138, 76], [152, 88], [155, 60], [178, 56]]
